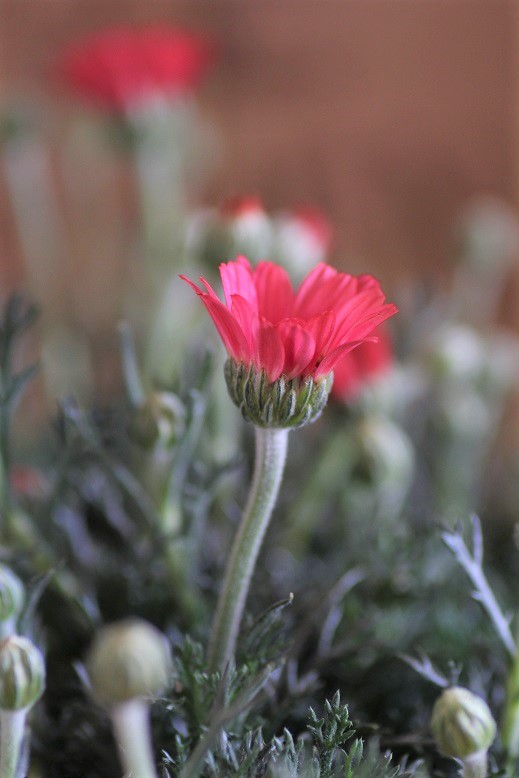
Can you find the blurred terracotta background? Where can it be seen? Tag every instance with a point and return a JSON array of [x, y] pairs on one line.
[[387, 115]]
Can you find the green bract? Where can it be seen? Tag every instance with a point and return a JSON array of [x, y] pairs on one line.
[[12, 594], [285, 404], [22, 673]]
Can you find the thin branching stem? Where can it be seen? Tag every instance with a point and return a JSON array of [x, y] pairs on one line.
[[473, 566]]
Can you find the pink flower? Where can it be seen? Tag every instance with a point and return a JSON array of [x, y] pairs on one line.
[[123, 67], [359, 367], [264, 322]]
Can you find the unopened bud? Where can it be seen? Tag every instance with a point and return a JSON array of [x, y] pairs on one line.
[[159, 420], [12, 594], [129, 659], [462, 724], [384, 452], [489, 234], [22, 673], [302, 239], [456, 352], [246, 227]]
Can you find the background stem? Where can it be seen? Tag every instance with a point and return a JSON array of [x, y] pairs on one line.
[[131, 725]]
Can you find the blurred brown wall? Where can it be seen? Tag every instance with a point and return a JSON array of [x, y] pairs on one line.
[[386, 113]]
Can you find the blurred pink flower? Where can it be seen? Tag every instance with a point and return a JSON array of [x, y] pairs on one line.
[[243, 205], [358, 367], [123, 67], [315, 225], [266, 323]]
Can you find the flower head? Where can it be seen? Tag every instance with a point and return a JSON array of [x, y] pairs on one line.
[[287, 335], [360, 366], [265, 323], [121, 68]]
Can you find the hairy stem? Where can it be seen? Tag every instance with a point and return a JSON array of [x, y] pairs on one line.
[[271, 448]]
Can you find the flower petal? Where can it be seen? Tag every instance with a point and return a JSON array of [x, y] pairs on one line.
[[356, 328], [331, 359], [299, 346], [311, 283], [329, 294], [247, 318], [237, 278], [322, 328], [274, 289], [226, 324], [270, 354]]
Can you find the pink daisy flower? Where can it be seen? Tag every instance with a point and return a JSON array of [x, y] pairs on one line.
[[264, 322]]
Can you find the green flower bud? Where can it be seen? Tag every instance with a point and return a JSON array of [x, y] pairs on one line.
[[12, 594], [159, 420], [384, 452], [127, 660], [22, 673], [282, 403], [456, 352], [462, 724]]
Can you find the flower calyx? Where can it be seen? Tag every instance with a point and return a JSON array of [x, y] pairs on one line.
[[284, 403], [22, 673]]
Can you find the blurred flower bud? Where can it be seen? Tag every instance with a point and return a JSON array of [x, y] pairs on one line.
[[12, 594], [462, 724], [456, 352], [22, 673], [248, 227], [127, 660], [303, 238], [384, 450], [462, 412], [502, 365], [489, 234], [27, 482], [160, 420], [239, 226]]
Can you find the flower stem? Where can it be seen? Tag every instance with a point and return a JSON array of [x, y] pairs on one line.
[[510, 718], [12, 730], [131, 725], [475, 766], [271, 449]]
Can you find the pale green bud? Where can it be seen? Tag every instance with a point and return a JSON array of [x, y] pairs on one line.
[[159, 420], [128, 659], [462, 723], [457, 352], [490, 234], [281, 404], [384, 452], [12, 594], [22, 673]]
